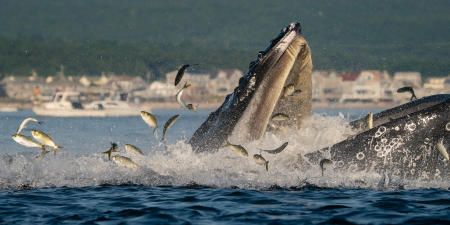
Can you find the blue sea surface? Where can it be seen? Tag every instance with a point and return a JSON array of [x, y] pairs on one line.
[[79, 185]]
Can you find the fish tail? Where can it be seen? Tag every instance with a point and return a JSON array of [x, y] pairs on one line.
[[227, 143], [267, 166], [186, 85], [109, 154]]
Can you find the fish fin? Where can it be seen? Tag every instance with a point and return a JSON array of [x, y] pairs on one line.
[[155, 131], [186, 85], [267, 166], [58, 147]]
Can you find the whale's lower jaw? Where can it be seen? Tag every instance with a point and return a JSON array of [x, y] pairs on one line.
[[246, 112], [406, 147]]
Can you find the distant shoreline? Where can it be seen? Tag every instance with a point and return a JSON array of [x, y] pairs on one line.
[[174, 105]]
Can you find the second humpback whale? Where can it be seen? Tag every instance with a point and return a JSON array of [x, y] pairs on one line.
[[408, 141]]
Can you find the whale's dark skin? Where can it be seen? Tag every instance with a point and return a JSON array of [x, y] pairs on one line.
[[246, 112], [403, 141], [400, 111], [405, 147]]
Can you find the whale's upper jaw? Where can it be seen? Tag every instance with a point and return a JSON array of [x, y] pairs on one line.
[[245, 113]]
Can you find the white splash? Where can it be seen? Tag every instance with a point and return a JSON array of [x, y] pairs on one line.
[[176, 164]]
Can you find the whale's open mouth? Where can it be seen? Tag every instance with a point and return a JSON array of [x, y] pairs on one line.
[[246, 113]]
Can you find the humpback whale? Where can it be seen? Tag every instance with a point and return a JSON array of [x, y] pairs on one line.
[[405, 147], [245, 113], [408, 141]]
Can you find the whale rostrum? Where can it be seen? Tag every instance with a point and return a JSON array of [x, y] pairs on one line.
[[246, 112]]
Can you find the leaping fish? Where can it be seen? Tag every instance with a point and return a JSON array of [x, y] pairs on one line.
[[112, 149], [440, 146], [280, 117], [289, 90], [180, 73], [407, 89], [150, 120], [27, 141], [259, 159], [324, 163], [168, 124], [45, 139], [132, 148], [369, 120], [179, 93], [237, 148], [190, 107], [124, 161], [277, 150], [42, 155], [24, 123]]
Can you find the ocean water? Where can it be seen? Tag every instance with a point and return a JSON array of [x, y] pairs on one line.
[[172, 185]]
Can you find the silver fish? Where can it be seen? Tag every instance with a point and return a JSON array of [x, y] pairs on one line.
[[440, 146], [289, 90], [369, 120], [150, 120], [192, 108], [134, 149], [45, 139], [27, 141], [238, 149], [180, 73], [277, 150], [259, 159], [324, 163], [24, 123], [168, 124], [280, 117], [180, 93], [124, 161], [408, 89]]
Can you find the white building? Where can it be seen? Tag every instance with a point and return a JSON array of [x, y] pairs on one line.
[[161, 90], [326, 86], [224, 82], [369, 86], [437, 85]]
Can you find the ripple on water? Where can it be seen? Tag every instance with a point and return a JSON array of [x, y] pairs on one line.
[[175, 205]]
